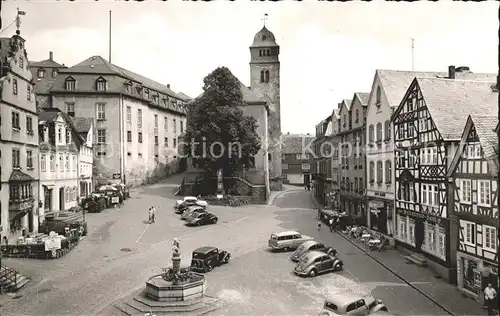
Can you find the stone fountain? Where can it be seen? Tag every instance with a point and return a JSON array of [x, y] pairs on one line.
[[176, 291]]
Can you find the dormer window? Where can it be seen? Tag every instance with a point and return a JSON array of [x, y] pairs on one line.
[[55, 72], [146, 93], [70, 84], [138, 89], [41, 73], [174, 103], [100, 84], [68, 136], [59, 135], [128, 86], [165, 101], [155, 98]]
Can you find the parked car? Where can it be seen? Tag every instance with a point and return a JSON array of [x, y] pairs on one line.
[[202, 219], [185, 199], [287, 240], [315, 262], [204, 259], [184, 206], [311, 245], [192, 211], [353, 304]]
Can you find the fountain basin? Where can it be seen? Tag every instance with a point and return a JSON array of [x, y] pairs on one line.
[[159, 289]]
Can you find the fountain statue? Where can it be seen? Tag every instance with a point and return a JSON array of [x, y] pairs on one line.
[[176, 289]]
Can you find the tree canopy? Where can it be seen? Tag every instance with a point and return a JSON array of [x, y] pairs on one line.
[[218, 133]]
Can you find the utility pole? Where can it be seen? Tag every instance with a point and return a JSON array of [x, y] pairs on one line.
[[109, 37]]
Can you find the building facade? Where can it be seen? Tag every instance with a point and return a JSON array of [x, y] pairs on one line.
[[137, 120], [321, 160], [60, 148], [265, 83], [352, 139], [296, 160], [474, 178], [18, 143], [428, 125], [44, 75], [84, 126], [334, 139]]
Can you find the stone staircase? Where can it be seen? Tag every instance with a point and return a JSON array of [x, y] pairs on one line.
[[141, 305], [11, 280], [418, 259]]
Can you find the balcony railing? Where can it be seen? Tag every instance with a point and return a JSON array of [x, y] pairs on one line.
[[21, 203]]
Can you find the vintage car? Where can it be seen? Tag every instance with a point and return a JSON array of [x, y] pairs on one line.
[[311, 245], [201, 219], [316, 262], [184, 206], [353, 304], [288, 240], [204, 259], [189, 200], [192, 211]]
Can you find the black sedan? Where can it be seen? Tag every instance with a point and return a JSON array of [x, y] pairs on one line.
[[202, 219]]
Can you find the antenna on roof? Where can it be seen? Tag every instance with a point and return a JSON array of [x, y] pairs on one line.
[[412, 54], [18, 19], [109, 36]]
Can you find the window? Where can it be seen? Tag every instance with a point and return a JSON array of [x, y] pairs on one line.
[[59, 135], [165, 141], [68, 136], [262, 76], [28, 93], [165, 123], [21, 62], [52, 163], [465, 191], [182, 127], [146, 93], [100, 84], [411, 233], [139, 118], [16, 158], [372, 172], [21, 191], [101, 111], [70, 84], [41, 73], [101, 136], [74, 162], [470, 233], [442, 244], [156, 123], [129, 114], [43, 163], [379, 132], [473, 151], [490, 238], [357, 116], [29, 125], [15, 121], [380, 172], [139, 137], [306, 166], [156, 140], [388, 171], [175, 142], [29, 159], [431, 238], [61, 163], [284, 166], [175, 126], [484, 192], [129, 136], [68, 195], [14, 86], [371, 132], [345, 121], [378, 96], [267, 76], [70, 108], [387, 131], [54, 73], [66, 164]]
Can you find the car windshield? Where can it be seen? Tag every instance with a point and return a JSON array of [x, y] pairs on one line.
[[273, 236], [301, 247], [197, 255], [198, 215]]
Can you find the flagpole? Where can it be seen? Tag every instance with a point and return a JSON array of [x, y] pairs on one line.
[[109, 36]]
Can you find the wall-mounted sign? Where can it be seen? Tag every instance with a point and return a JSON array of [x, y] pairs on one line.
[[415, 214]]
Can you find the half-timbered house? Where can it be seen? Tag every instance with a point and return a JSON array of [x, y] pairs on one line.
[[428, 126], [473, 174]]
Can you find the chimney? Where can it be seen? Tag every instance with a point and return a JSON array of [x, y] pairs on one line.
[[168, 85], [462, 69], [451, 72], [308, 134], [288, 133], [51, 55]]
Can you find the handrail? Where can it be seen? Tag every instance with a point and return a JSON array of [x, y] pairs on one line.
[[7, 277]]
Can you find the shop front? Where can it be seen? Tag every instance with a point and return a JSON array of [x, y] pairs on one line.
[[474, 274], [381, 216]]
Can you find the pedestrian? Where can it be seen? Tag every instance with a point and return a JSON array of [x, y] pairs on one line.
[[331, 224], [319, 225], [153, 214], [489, 298], [150, 211]]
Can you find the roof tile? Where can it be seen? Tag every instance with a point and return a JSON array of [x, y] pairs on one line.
[[295, 143]]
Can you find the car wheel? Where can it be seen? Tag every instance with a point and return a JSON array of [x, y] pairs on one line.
[[338, 267], [286, 249], [209, 267], [312, 273], [198, 223], [214, 221], [228, 257]]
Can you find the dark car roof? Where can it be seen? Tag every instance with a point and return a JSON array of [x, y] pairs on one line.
[[205, 249]]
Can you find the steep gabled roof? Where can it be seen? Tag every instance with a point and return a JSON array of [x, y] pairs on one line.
[[362, 97], [347, 103], [48, 115], [450, 102], [295, 143], [82, 124], [396, 82], [47, 63], [485, 129]]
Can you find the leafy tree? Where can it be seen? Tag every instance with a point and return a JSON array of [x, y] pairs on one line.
[[218, 134]]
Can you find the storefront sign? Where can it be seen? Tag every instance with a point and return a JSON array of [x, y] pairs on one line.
[[376, 204], [52, 244], [414, 214]]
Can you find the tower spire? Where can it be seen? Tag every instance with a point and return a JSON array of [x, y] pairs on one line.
[[18, 20], [265, 18]]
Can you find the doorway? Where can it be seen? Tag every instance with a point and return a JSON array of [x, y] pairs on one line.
[[307, 179], [61, 199], [31, 221], [47, 199]]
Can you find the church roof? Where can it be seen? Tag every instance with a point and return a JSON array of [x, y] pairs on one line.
[[264, 38], [249, 96]]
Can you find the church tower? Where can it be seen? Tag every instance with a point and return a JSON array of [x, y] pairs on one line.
[[265, 82]]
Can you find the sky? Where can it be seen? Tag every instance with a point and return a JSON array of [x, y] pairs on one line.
[[328, 50]]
